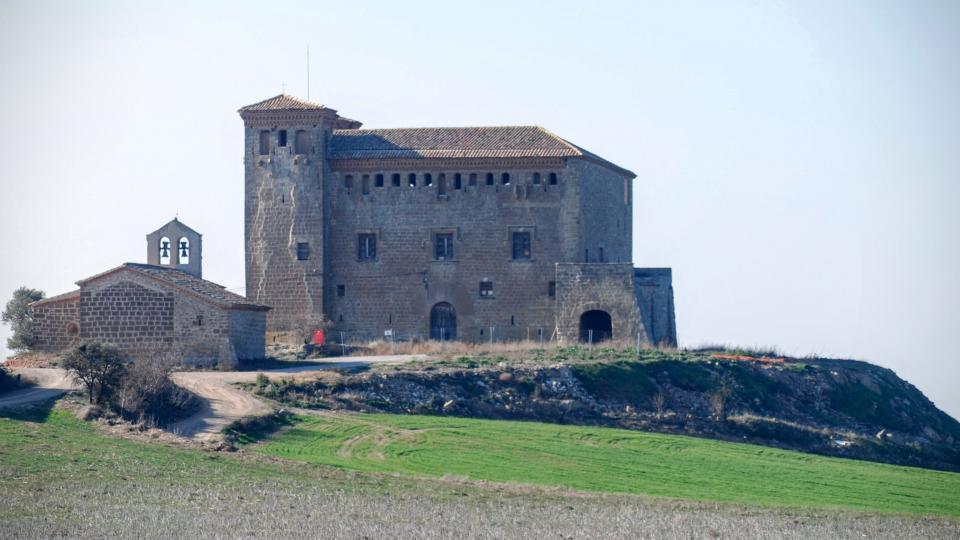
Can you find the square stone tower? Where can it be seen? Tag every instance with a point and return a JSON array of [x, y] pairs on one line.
[[285, 140]]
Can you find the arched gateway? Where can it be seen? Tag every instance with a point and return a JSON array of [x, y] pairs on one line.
[[443, 322], [595, 325]]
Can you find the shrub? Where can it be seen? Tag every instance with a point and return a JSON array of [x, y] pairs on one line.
[[17, 316], [147, 394], [8, 381], [98, 367]]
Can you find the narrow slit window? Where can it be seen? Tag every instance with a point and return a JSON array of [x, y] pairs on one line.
[[341, 290], [282, 138], [600, 254], [552, 289]]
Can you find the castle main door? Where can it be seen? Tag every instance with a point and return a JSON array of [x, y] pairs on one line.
[[443, 322]]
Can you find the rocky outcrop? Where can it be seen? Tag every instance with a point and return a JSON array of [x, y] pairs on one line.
[[833, 407]]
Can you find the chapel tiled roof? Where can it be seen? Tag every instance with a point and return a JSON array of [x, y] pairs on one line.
[[283, 102], [212, 292], [456, 143], [72, 295]]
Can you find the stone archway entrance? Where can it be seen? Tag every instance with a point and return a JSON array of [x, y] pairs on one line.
[[595, 325], [443, 322]]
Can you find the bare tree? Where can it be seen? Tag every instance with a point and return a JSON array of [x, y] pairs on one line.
[[660, 404], [98, 367]]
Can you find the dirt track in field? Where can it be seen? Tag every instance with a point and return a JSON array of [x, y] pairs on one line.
[[222, 402]]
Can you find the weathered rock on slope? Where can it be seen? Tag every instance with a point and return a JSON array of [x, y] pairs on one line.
[[833, 407]]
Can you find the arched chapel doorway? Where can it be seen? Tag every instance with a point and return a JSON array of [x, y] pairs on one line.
[[443, 322], [595, 325]]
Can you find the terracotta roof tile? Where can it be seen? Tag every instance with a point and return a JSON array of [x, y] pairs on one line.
[[446, 143], [284, 102]]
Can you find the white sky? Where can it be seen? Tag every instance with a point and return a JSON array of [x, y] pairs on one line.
[[798, 162]]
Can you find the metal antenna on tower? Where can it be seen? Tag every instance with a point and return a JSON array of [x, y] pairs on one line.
[[308, 72]]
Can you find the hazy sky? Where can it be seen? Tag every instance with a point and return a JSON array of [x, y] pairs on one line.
[[798, 163]]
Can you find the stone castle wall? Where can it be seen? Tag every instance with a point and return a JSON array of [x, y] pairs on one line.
[[399, 287], [608, 287]]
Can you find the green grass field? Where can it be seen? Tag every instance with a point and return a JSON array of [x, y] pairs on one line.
[[612, 460]]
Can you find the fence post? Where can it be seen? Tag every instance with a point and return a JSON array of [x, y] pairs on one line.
[[638, 345], [491, 335], [590, 340]]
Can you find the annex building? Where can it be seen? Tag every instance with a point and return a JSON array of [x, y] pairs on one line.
[[164, 308], [447, 233]]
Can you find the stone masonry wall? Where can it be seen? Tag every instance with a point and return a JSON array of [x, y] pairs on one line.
[[399, 287], [247, 331], [598, 286], [283, 208], [654, 291], [56, 324], [136, 318], [606, 214]]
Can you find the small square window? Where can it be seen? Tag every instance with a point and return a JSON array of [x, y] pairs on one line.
[[341, 290], [443, 246], [486, 289], [552, 289], [303, 251], [366, 247], [521, 246]]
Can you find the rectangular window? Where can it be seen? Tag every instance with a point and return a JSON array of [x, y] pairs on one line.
[[428, 179], [536, 178], [395, 179], [521, 245], [412, 179], [442, 184], [282, 138], [378, 180], [348, 181], [341, 290], [505, 179], [264, 142], [366, 247], [489, 178], [553, 179], [303, 251], [457, 181], [301, 142], [443, 247], [552, 289], [600, 254], [473, 179], [365, 184], [486, 289]]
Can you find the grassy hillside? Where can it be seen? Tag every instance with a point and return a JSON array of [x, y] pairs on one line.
[[605, 459]]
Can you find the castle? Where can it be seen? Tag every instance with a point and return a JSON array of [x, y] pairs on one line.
[[475, 234]]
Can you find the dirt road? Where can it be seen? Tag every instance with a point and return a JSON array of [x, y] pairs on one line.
[[222, 402]]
